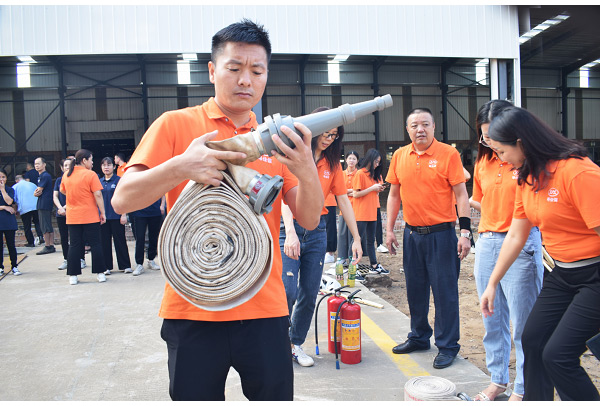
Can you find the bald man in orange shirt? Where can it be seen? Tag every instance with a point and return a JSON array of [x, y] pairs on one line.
[[425, 176]]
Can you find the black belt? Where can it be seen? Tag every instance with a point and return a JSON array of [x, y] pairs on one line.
[[424, 230]]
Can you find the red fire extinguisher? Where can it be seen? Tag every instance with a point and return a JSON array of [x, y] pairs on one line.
[[333, 304], [349, 314]]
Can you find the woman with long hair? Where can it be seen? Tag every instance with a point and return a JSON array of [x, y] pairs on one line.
[[114, 227], [303, 251], [344, 235], [85, 213], [494, 187], [557, 192], [365, 194], [8, 224]]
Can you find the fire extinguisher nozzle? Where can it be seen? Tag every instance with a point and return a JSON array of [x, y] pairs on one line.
[[337, 364], [317, 350]]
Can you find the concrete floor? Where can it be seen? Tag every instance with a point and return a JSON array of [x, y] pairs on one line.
[[101, 342]]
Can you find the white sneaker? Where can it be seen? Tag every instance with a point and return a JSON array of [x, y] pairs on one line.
[[127, 270], [36, 241], [300, 356], [16, 271], [63, 266], [329, 258], [101, 277], [107, 272], [1, 271], [153, 265], [138, 270], [73, 279], [383, 249], [83, 265]]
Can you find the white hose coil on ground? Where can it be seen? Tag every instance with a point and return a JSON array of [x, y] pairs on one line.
[[214, 250], [429, 388]]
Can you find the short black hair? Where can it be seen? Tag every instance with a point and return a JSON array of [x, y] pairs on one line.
[[245, 31], [418, 110], [121, 156]]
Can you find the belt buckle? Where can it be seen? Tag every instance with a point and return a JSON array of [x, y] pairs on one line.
[[423, 230]]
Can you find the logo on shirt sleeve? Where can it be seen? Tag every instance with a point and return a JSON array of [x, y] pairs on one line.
[[553, 195], [433, 163]]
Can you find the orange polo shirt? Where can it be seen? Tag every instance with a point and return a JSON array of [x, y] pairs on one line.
[[494, 186], [121, 169], [170, 135], [330, 200], [79, 189], [365, 207], [332, 182], [565, 210], [426, 182]]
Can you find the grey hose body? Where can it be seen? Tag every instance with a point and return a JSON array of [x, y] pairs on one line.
[[429, 388], [214, 250]]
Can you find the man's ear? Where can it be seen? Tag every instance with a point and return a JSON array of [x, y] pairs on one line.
[[211, 72]]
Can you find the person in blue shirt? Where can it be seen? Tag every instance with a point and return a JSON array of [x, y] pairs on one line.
[[32, 174], [151, 218], [114, 228], [8, 224], [27, 208], [44, 205]]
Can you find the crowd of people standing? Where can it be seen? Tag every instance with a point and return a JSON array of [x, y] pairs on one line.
[[85, 217]]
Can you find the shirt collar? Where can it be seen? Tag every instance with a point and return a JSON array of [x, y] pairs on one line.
[[429, 151], [214, 112]]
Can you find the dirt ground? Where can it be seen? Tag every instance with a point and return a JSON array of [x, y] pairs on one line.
[[471, 328]]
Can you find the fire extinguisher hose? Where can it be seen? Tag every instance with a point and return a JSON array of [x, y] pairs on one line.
[[214, 250], [430, 388]]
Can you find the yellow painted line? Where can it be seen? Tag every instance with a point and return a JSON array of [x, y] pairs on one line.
[[404, 361]]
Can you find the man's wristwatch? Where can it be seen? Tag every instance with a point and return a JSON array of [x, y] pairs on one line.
[[466, 235]]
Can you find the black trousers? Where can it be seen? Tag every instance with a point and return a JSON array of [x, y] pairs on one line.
[[201, 353], [63, 230], [90, 233], [114, 231], [153, 224], [331, 228], [379, 229], [366, 229], [565, 315], [26, 218], [9, 236]]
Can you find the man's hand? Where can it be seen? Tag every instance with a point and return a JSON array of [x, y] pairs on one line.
[[463, 247], [62, 211], [391, 242], [202, 164], [123, 219], [299, 160], [38, 191]]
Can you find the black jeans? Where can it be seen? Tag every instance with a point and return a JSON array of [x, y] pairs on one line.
[[26, 218], [9, 235], [366, 230], [153, 223], [113, 229], [201, 353], [90, 233], [331, 227], [565, 315], [379, 229]]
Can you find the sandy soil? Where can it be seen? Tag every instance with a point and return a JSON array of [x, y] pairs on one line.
[[471, 327]]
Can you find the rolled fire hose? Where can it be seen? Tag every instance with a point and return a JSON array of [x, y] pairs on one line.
[[214, 250], [429, 388]]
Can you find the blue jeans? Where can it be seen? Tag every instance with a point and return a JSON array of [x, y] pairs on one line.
[[431, 261], [515, 296], [302, 277]]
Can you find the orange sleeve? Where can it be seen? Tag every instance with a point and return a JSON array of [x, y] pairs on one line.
[[519, 212], [587, 202], [391, 175], [456, 174], [477, 192]]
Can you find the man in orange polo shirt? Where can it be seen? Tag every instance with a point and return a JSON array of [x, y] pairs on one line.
[[425, 176], [121, 163], [252, 337]]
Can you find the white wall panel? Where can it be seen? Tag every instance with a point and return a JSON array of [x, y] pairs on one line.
[[122, 105], [7, 143], [360, 30], [161, 99], [47, 137], [546, 104]]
